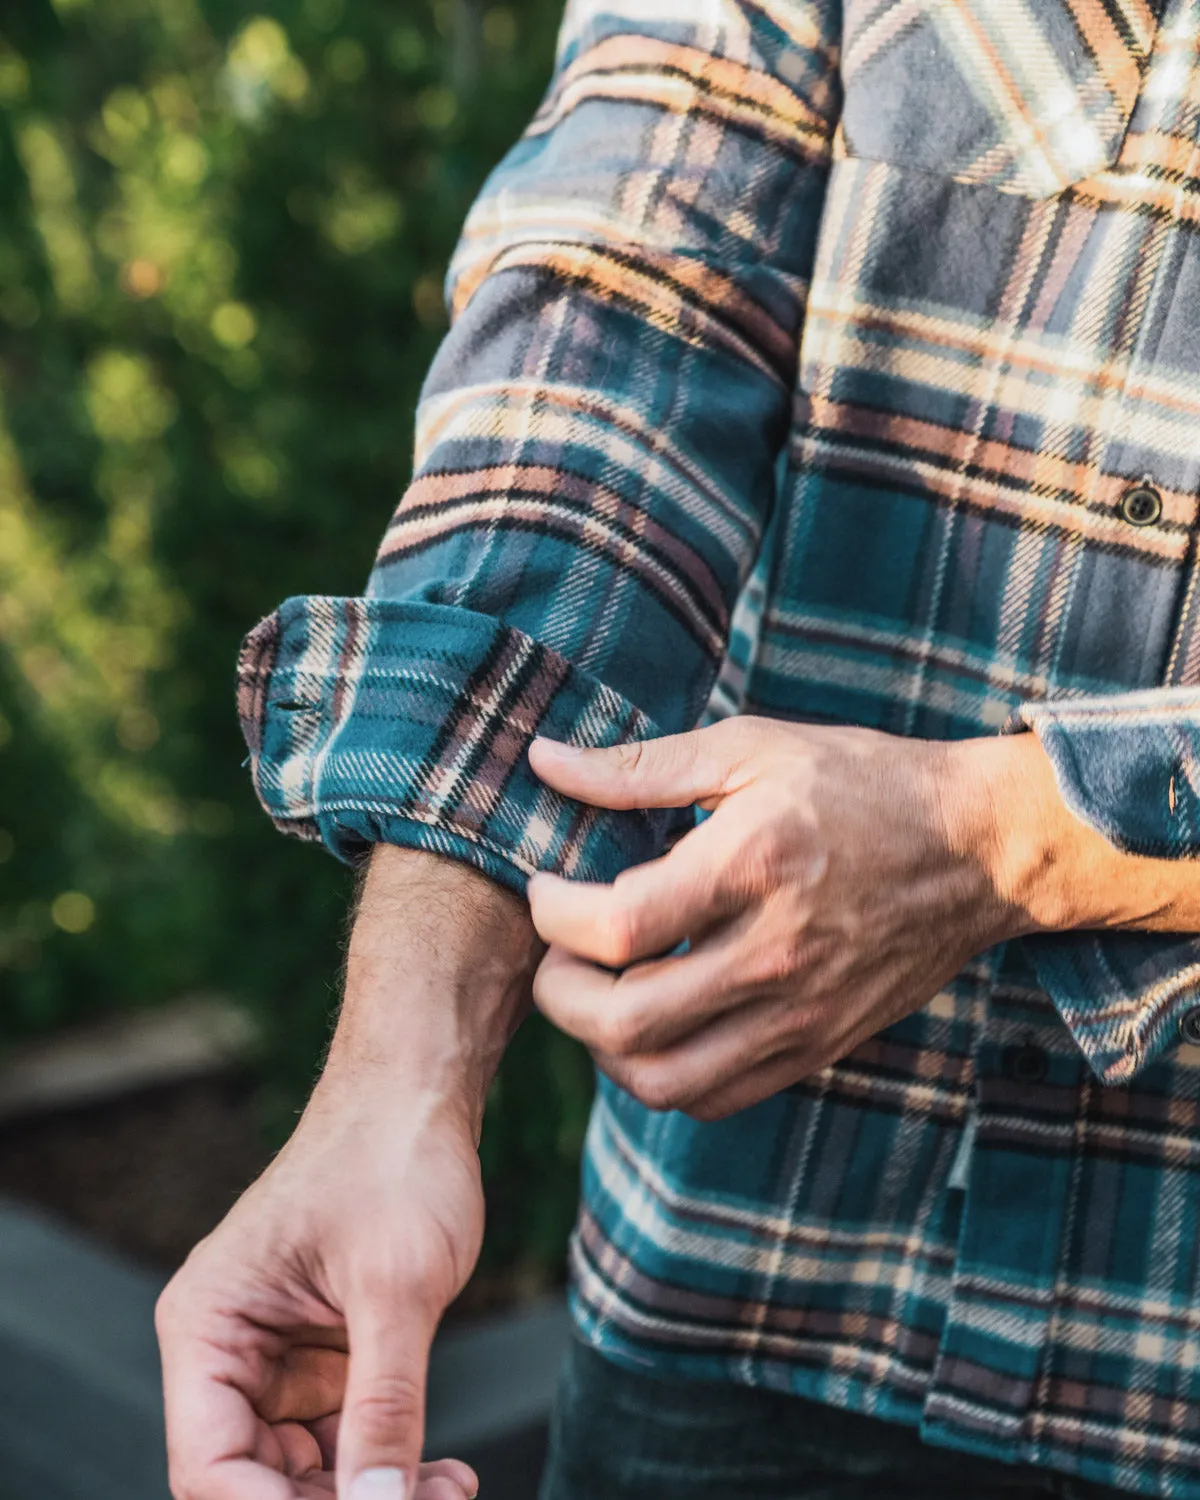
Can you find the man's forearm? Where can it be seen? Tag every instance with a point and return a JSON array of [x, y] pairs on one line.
[[438, 978], [315, 1302]]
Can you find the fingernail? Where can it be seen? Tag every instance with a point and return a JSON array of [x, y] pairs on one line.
[[559, 747], [379, 1484]]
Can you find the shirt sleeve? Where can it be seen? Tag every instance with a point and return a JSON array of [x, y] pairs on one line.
[[595, 453], [1128, 765]]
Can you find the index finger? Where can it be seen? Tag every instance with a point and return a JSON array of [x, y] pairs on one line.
[[308, 1383], [213, 1431], [646, 912]]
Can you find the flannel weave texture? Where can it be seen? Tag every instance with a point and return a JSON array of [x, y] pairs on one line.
[[804, 359]]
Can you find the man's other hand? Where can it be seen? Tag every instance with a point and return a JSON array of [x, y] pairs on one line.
[[296, 1338], [843, 878]]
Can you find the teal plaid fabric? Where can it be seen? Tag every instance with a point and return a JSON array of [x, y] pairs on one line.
[[835, 363]]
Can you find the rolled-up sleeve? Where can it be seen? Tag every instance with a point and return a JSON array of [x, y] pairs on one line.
[[407, 723], [595, 458], [1128, 765]]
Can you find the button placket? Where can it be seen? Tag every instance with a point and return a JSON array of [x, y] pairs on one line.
[[1015, 1211]]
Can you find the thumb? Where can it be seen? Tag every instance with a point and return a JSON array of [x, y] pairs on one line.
[[674, 771], [383, 1416]]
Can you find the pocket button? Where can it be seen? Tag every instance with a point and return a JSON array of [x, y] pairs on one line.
[[1141, 505]]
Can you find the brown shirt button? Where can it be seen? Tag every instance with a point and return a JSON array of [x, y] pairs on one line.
[[1141, 505]]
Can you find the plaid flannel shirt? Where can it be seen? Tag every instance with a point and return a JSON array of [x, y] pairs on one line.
[[868, 337]]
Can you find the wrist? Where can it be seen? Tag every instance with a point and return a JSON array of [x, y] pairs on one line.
[[1012, 816], [396, 1104], [430, 1064]]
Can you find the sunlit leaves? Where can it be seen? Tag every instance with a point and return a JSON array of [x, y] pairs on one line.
[[407, 49], [437, 107], [358, 214], [19, 306], [346, 60], [248, 468], [261, 66], [126, 116], [14, 78], [124, 399], [73, 911], [85, 629], [233, 325], [323, 14], [51, 181], [184, 160]]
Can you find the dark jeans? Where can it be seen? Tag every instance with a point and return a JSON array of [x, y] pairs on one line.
[[620, 1435]]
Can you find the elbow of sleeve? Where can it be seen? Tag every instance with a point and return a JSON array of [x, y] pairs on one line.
[[375, 721]]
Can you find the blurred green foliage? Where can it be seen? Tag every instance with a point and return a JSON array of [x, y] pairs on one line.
[[223, 232]]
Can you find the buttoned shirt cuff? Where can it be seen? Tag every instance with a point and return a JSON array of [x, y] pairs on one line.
[[376, 721], [1125, 765], [1128, 765]]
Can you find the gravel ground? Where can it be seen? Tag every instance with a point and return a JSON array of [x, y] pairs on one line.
[[147, 1175]]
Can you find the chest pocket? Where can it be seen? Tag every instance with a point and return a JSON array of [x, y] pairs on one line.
[[1026, 96]]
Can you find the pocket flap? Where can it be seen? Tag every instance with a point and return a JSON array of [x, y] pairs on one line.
[[1028, 96]]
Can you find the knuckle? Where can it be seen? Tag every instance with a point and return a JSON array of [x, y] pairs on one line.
[[628, 755], [706, 890], [376, 1284], [182, 1483], [731, 733], [546, 986], [619, 1034], [773, 964], [415, 1272], [164, 1312], [382, 1282], [618, 936], [167, 1308], [755, 865], [543, 992], [740, 735], [704, 1112], [388, 1406], [655, 1089]]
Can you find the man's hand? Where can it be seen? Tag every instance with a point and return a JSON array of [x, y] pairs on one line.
[[843, 878], [296, 1338]]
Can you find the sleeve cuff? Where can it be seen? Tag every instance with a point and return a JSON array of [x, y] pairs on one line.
[[378, 721], [1127, 765]]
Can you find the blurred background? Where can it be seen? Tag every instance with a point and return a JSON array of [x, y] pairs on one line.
[[223, 234]]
